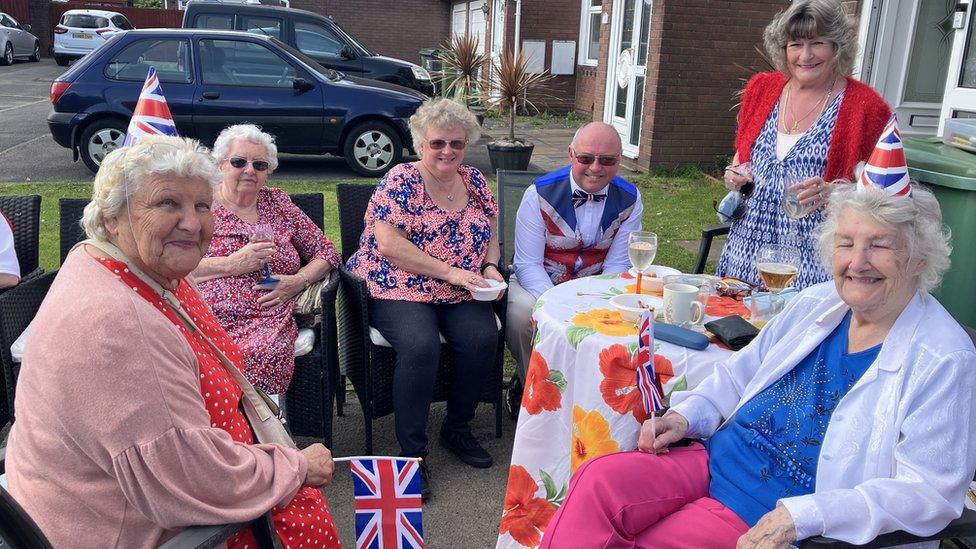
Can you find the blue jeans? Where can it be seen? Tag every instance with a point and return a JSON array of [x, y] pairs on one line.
[[413, 330]]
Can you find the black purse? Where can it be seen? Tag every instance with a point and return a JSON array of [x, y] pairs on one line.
[[734, 331]]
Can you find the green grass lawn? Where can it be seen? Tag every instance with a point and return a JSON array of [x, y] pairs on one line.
[[676, 207]]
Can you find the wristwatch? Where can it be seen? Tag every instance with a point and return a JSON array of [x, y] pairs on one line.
[[487, 264]]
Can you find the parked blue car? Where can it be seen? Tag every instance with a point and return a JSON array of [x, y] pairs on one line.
[[212, 79]]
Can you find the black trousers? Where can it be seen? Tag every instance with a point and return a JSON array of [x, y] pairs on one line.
[[412, 329]]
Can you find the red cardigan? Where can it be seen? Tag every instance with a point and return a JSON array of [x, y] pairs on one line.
[[860, 121]]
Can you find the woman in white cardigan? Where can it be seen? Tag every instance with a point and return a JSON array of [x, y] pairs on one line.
[[850, 415]]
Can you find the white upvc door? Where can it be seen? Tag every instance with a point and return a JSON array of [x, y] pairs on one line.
[[960, 92], [459, 19], [476, 23], [907, 46], [627, 65]]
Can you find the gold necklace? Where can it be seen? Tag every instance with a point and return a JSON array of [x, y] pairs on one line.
[[819, 105], [450, 195]]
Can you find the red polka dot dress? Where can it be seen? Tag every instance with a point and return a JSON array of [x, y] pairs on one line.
[[305, 521]]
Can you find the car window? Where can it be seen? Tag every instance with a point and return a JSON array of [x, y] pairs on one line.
[[82, 21], [267, 26], [214, 21], [7, 21], [170, 57], [317, 40], [121, 22], [233, 62]]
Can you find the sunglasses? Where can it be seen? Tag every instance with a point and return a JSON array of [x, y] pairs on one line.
[[259, 165], [604, 159], [456, 144]]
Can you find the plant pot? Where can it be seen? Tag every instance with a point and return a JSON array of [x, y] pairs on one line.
[[479, 112], [509, 156]]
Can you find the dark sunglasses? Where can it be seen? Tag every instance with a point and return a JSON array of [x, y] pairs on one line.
[[259, 165], [605, 160], [456, 144]]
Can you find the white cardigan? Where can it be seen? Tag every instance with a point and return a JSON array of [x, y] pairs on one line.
[[900, 448]]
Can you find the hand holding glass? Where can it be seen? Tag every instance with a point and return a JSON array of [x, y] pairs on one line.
[[262, 232], [792, 206]]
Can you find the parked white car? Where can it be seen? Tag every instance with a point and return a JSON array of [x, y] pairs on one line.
[[16, 40], [81, 31]]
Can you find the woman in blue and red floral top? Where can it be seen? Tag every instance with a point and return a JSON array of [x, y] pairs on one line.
[[430, 238]]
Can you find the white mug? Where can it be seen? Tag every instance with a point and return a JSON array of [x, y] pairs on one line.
[[681, 304]]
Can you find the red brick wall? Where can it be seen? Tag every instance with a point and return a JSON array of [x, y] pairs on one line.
[[586, 91], [395, 29]]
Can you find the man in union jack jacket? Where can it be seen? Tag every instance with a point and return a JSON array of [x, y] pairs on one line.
[[572, 222]]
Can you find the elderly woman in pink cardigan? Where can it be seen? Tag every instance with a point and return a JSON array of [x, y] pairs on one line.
[[128, 424]]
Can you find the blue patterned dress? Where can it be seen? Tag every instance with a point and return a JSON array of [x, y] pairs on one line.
[[764, 221]]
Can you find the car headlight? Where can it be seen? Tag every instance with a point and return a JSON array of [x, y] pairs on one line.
[[420, 73]]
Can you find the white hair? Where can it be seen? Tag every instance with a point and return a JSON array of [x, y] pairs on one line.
[[125, 170], [247, 132], [443, 113], [917, 218]]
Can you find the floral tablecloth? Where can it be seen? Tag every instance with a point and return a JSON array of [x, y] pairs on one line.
[[580, 399]]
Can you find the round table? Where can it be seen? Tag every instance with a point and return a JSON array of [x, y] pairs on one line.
[[580, 399]]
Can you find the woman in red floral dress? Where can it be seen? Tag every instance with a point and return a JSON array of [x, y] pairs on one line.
[[260, 321]]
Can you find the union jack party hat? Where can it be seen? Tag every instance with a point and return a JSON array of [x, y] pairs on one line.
[[886, 168], [152, 116]]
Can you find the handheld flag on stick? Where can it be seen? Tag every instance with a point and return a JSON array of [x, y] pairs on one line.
[[647, 384], [886, 168], [151, 116], [388, 509]]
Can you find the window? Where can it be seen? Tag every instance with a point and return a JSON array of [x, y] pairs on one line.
[[317, 41], [121, 22], [212, 21], [7, 21], [81, 21], [170, 57], [589, 42], [262, 25], [232, 62]]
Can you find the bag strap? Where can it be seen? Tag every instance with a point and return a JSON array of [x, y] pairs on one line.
[[262, 406]]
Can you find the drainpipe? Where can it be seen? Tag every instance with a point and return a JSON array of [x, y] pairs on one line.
[[518, 26]]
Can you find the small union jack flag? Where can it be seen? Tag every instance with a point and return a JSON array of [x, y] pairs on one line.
[[886, 168], [152, 116], [388, 509], [646, 379]]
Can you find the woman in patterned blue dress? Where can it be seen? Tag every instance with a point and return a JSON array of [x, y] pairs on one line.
[[805, 125]]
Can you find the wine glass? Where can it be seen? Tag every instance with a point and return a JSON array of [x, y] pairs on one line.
[[791, 197], [641, 248], [778, 266], [262, 232]]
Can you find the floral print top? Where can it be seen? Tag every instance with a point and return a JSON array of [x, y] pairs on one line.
[[459, 238]]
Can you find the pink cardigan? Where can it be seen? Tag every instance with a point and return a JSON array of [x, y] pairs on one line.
[[112, 446]]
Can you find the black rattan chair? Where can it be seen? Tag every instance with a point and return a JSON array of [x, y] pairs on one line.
[[24, 215], [69, 220], [19, 531], [18, 305], [511, 187], [370, 366]]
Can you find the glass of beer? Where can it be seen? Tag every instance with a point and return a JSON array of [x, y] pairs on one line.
[[641, 248], [778, 266]]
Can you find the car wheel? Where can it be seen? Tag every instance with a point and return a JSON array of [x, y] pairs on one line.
[[372, 148], [99, 139], [61, 60], [8, 55], [37, 52]]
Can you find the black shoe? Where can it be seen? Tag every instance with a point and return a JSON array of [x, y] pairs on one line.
[[425, 494], [466, 448], [513, 397]]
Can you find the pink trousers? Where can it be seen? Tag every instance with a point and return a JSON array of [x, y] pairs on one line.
[[634, 499]]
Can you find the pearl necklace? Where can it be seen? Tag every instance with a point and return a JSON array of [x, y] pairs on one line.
[[819, 105]]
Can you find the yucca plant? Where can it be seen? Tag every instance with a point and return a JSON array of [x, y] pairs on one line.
[[510, 84], [462, 67]]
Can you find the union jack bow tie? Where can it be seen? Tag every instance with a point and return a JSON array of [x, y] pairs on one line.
[[582, 197]]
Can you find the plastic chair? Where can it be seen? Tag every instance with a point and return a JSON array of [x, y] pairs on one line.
[[18, 529], [18, 306], [24, 215], [705, 245], [368, 365], [511, 187], [962, 527]]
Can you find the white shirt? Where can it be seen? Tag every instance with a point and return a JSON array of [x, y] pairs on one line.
[[530, 238], [900, 447], [8, 258]]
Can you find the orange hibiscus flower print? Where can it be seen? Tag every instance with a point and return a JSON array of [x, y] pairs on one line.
[[619, 385], [663, 369], [541, 392], [591, 437], [645, 290], [525, 516], [605, 321]]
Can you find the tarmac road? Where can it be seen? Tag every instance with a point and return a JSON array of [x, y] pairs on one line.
[[28, 153]]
